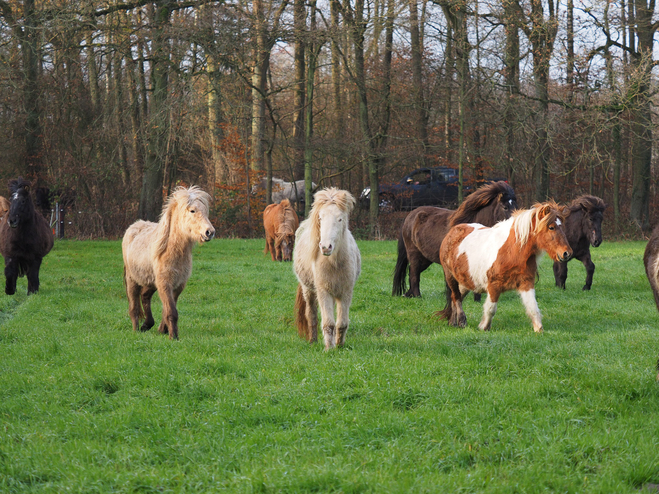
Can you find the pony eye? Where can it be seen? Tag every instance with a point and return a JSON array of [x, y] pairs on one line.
[[552, 227], [192, 211]]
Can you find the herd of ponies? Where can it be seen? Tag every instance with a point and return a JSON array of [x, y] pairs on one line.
[[487, 246]]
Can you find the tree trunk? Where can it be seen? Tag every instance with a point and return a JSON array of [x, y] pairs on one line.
[[152, 182], [300, 24], [420, 107]]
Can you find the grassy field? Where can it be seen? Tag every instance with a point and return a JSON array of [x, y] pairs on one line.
[[241, 404]]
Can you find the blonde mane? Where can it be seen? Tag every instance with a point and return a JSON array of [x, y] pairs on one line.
[[343, 199], [167, 226], [530, 221]]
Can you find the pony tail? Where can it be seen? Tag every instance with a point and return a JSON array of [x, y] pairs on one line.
[[301, 322], [400, 271], [447, 311]]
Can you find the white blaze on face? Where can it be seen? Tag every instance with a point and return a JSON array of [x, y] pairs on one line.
[[558, 222], [482, 248], [14, 196], [332, 226]]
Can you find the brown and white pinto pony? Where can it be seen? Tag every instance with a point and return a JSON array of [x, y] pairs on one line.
[[424, 229], [327, 264], [502, 258], [280, 222], [158, 256]]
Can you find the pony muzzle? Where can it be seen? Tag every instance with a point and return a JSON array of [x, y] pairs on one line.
[[208, 236], [327, 250], [565, 257]]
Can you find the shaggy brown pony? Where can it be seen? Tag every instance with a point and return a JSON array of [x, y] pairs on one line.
[[651, 262], [158, 256], [502, 258], [280, 222], [424, 229], [25, 238], [583, 228]]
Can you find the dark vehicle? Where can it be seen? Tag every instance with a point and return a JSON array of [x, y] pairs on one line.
[[423, 187]]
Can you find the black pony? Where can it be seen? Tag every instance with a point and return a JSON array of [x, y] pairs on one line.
[[583, 228], [424, 229], [25, 238]]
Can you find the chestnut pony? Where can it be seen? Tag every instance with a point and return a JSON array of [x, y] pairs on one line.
[[158, 256], [327, 264], [280, 222], [502, 258], [424, 229]]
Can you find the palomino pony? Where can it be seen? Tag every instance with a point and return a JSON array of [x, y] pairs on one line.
[[158, 256], [502, 258], [25, 238], [425, 228], [583, 228], [280, 222], [327, 264]]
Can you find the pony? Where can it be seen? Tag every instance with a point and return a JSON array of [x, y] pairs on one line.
[[280, 222], [424, 229], [327, 263], [25, 237], [502, 258], [583, 228], [293, 191], [158, 256], [4, 207]]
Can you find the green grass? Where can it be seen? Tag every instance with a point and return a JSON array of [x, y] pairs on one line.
[[241, 404]]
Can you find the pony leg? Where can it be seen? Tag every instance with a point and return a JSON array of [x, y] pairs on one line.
[[33, 276], [560, 274], [169, 322], [145, 295], [590, 270], [311, 313], [11, 275], [489, 309], [326, 303], [532, 310], [342, 318], [418, 264], [134, 308], [271, 247]]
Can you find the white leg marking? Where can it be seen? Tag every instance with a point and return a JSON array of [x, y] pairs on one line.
[[489, 309], [532, 310]]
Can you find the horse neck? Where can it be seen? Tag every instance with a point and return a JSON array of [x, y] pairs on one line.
[[179, 245]]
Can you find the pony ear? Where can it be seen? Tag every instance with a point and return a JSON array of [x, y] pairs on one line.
[[350, 202]]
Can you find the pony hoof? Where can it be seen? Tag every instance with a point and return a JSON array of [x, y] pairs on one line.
[[538, 330], [585, 287], [9, 292]]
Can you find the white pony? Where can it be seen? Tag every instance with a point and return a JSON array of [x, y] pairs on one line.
[[327, 264], [283, 190], [158, 256]]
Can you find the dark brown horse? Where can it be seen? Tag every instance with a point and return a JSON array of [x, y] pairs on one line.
[[424, 229], [25, 238], [583, 228]]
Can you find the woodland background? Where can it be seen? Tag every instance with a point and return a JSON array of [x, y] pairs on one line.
[[111, 104]]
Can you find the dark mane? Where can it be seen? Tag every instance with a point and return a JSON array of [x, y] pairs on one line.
[[480, 199], [17, 184], [591, 204]]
